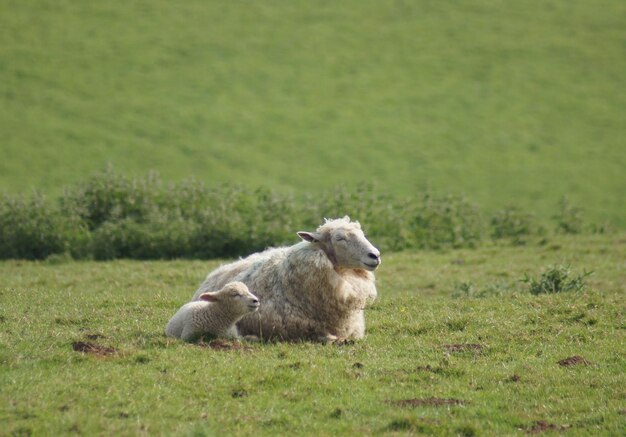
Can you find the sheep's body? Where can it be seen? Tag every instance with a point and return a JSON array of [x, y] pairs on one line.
[[310, 290], [215, 314]]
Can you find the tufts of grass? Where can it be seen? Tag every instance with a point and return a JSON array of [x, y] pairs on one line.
[[557, 279]]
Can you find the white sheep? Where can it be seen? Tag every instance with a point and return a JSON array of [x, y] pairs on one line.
[[215, 313], [316, 289]]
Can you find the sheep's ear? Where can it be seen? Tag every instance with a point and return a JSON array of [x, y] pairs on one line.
[[311, 237], [209, 297]]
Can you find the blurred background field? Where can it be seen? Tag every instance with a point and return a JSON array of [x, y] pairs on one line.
[[508, 103]]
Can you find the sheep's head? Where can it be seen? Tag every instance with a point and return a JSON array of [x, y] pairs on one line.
[[345, 244], [236, 294]]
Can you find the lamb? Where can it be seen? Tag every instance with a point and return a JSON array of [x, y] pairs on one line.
[[314, 290], [215, 313]]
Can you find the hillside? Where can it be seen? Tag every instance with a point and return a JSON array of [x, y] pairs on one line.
[[506, 103]]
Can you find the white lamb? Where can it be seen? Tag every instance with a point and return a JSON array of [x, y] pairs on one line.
[[215, 314], [315, 290]]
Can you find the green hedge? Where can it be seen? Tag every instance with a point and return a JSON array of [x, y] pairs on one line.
[[112, 216]]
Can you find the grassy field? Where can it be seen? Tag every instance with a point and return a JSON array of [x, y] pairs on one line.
[[501, 101], [456, 345]]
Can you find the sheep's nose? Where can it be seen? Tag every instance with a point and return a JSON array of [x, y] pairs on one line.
[[255, 300], [373, 256]]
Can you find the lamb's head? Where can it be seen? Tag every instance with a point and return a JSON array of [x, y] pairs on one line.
[[345, 244], [236, 295]]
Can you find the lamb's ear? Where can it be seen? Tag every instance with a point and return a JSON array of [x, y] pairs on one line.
[[311, 237], [209, 297]]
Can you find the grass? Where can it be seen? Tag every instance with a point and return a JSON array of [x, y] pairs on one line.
[[500, 101], [466, 360]]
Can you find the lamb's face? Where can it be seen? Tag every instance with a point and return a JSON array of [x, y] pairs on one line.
[[352, 250], [240, 297]]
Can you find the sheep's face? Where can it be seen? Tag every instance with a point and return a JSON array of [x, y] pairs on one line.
[[345, 244], [238, 296]]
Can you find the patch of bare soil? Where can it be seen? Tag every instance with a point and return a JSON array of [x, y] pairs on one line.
[[93, 349], [224, 345], [574, 361], [427, 368], [239, 393], [427, 401], [542, 426], [463, 347]]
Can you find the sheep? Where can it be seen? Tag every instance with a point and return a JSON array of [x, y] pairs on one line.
[[314, 290], [215, 313]]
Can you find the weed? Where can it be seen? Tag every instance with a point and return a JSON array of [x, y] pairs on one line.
[[555, 280], [569, 218]]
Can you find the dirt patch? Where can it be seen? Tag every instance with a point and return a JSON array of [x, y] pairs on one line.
[[462, 347], [337, 413], [542, 426], [224, 345], [93, 349], [514, 378], [427, 401], [574, 361], [427, 368], [238, 393]]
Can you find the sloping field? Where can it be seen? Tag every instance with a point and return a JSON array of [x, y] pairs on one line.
[[505, 102]]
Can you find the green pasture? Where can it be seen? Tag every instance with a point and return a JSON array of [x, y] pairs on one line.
[[506, 102], [456, 345]]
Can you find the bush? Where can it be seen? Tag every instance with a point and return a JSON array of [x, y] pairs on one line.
[[556, 280], [108, 197], [511, 223], [34, 229], [569, 218], [112, 216], [447, 221]]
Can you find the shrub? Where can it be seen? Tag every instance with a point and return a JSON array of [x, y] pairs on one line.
[[113, 216], [446, 221], [108, 197], [569, 218], [34, 229], [513, 224], [556, 280]]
